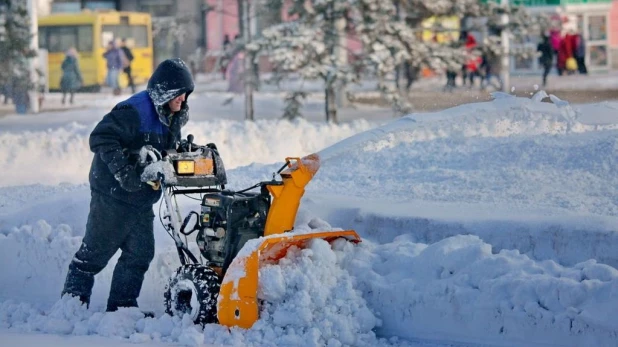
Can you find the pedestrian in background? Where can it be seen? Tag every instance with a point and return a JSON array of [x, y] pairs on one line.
[[555, 39], [71, 79], [491, 66], [113, 56], [127, 63], [225, 54], [6, 91], [580, 53], [547, 57], [235, 72]]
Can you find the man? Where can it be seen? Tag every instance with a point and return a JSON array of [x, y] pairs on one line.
[[129, 58], [580, 53], [546, 58], [121, 215], [113, 57], [491, 63]]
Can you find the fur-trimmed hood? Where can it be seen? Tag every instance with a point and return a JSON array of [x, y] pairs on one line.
[[171, 79]]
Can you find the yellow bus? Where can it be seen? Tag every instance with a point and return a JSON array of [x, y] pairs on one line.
[[89, 32]]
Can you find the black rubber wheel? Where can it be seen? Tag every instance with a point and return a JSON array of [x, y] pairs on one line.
[[193, 290]]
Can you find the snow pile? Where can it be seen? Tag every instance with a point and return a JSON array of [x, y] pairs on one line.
[[34, 259], [57, 155], [458, 289], [46, 156], [504, 117], [69, 316], [538, 177], [309, 301]]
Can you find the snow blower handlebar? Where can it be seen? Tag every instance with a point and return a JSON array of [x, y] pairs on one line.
[[174, 220]]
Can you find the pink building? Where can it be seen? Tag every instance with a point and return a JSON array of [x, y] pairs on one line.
[[613, 33], [222, 20]]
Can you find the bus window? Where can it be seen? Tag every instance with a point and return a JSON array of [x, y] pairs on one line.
[[139, 33], [60, 38], [85, 38], [43, 38]]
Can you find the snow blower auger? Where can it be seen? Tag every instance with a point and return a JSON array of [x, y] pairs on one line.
[[222, 285]]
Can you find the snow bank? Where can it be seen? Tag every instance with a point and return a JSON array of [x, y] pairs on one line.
[[519, 173], [35, 259], [62, 154], [538, 177], [68, 316], [311, 300], [453, 289], [457, 289], [542, 234]]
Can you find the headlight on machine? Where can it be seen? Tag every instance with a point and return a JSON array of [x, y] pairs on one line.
[[185, 167]]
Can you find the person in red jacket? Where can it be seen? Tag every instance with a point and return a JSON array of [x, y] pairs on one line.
[[566, 50], [471, 67]]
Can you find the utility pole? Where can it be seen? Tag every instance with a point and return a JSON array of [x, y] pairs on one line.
[[506, 53], [248, 73], [220, 22], [342, 59], [34, 44]]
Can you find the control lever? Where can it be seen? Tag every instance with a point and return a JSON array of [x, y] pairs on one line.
[[190, 142]]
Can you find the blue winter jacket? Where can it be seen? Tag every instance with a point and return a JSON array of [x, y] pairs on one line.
[[143, 119], [113, 58]]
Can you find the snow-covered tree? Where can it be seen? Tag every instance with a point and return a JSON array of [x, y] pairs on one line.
[[15, 50], [390, 31], [521, 26], [177, 27], [309, 45], [487, 18], [293, 104]]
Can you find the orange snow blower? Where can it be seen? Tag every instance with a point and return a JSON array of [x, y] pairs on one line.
[[222, 285]]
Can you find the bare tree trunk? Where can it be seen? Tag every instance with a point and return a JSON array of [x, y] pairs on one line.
[[241, 9], [330, 103], [332, 40], [248, 64]]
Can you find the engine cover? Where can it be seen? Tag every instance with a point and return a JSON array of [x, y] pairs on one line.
[[228, 220]]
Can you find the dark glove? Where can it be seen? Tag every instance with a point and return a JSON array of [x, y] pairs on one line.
[[185, 146], [213, 147], [129, 179]]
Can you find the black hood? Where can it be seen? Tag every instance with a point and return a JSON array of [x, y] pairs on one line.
[[171, 79]]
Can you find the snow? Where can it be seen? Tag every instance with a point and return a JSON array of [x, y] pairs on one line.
[[490, 223]]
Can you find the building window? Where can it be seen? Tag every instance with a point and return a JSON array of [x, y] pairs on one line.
[[598, 56], [158, 8], [597, 28]]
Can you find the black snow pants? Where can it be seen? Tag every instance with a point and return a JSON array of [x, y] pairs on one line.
[[113, 225]]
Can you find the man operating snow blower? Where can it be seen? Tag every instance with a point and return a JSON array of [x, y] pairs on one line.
[[121, 215]]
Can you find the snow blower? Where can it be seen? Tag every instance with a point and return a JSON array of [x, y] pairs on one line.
[[222, 285]]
